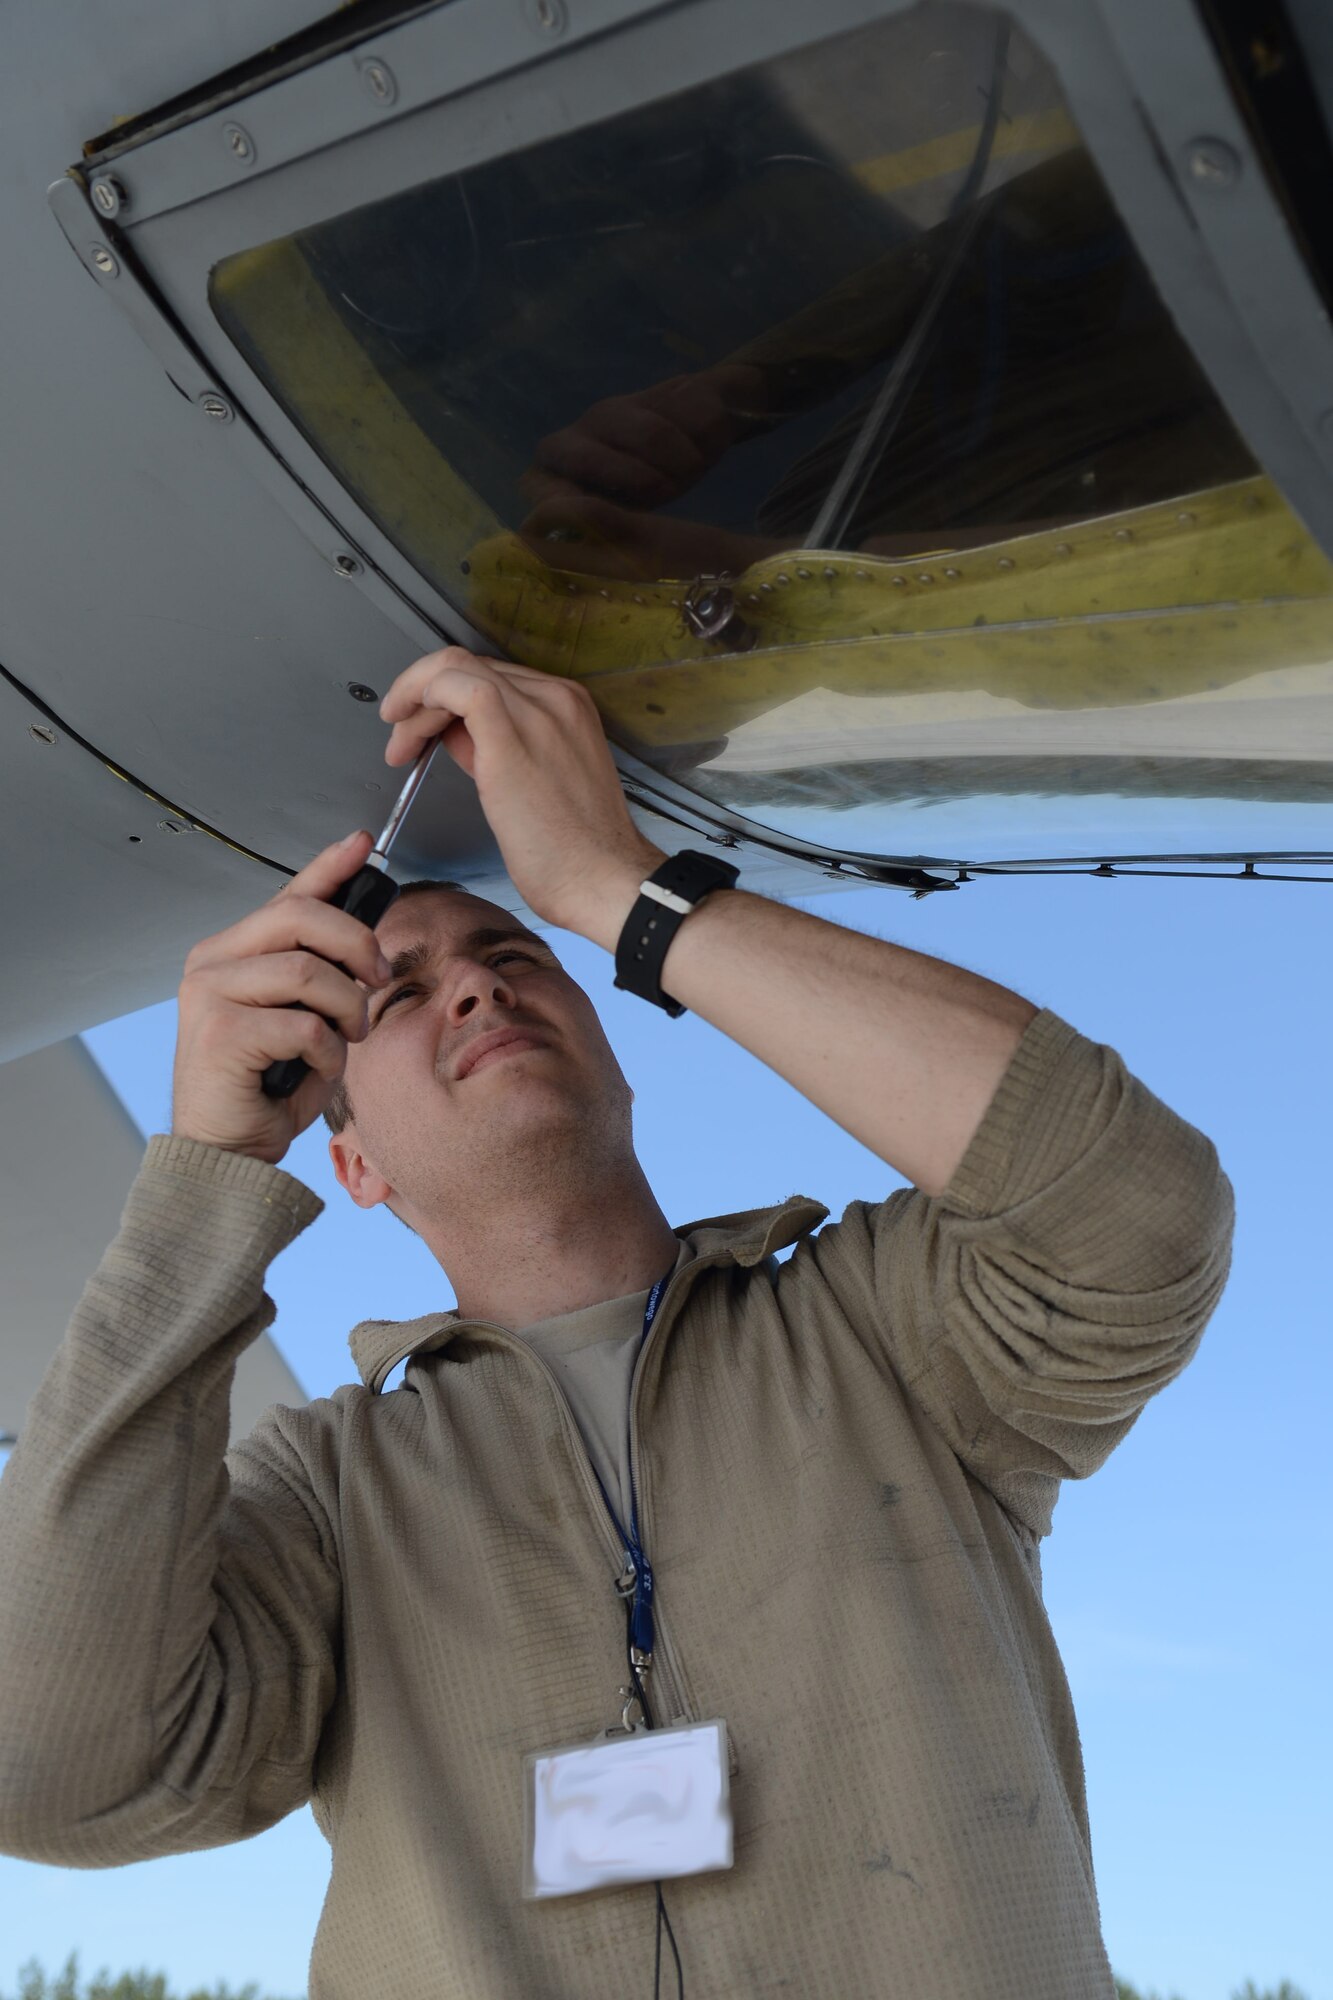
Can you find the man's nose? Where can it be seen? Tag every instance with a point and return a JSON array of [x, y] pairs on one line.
[[477, 986]]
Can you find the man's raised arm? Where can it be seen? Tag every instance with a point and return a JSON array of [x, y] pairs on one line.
[[903, 1051], [168, 1628]]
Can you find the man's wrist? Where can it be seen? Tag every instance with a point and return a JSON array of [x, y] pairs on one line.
[[617, 891]]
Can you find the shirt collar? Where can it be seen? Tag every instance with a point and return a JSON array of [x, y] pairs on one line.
[[746, 1238]]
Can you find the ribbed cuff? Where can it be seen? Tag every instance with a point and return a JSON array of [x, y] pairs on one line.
[[292, 1206]]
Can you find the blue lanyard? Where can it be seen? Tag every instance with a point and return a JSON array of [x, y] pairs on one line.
[[641, 1610]]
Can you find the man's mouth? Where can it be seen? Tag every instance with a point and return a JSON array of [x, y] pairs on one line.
[[489, 1048]]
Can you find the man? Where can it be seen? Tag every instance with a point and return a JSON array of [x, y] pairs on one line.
[[839, 1468]]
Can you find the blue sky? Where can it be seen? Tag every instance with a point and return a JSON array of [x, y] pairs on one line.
[[1187, 1583]]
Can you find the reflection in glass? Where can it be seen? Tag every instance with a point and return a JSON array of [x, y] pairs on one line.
[[826, 422]]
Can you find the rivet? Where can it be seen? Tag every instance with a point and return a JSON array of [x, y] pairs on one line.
[[215, 406], [1185, 517], [360, 692], [1252, 501], [369, 785], [830, 572], [345, 565], [1063, 549], [378, 80], [897, 581], [239, 144], [863, 576], [766, 586], [1005, 562], [40, 733], [104, 261], [109, 197], [1212, 163], [782, 578], [753, 597], [953, 573], [606, 594], [804, 575], [170, 826], [925, 577], [1124, 535]]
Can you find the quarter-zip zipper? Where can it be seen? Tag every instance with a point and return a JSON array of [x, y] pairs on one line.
[[666, 1676], [675, 1703]]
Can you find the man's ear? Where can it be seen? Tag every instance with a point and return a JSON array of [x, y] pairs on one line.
[[355, 1173]]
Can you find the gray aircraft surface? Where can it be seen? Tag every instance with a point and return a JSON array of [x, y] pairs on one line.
[[912, 423]]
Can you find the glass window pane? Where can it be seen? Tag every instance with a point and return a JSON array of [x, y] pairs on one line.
[[826, 422]]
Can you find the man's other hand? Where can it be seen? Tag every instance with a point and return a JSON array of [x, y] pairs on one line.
[[649, 447], [270, 987], [535, 748]]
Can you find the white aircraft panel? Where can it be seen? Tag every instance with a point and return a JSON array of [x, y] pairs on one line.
[[70, 1152]]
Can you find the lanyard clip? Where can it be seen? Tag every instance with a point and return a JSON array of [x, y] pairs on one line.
[[633, 1720]]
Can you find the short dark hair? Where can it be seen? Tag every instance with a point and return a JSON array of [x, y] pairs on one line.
[[338, 1111]]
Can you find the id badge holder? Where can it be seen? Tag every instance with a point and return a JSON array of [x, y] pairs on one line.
[[640, 1805]]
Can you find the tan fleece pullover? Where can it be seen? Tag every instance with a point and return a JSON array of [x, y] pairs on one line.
[[381, 1602]]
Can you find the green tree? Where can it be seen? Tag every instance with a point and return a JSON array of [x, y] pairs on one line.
[[36, 1984], [1249, 1991]]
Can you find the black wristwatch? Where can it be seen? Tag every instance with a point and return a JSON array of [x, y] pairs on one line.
[[665, 900]]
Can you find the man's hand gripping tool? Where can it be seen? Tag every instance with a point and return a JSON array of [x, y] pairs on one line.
[[366, 896]]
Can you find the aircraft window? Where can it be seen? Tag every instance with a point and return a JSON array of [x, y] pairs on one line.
[[825, 420]]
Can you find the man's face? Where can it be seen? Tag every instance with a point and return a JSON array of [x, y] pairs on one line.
[[483, 1059]]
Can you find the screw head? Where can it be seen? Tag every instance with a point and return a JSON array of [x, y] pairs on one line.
[[378, 80], [239, 144], [346, 565], [108, 195], [40, 733], [171, 826], [215, 406], [101, 260], [360, 692], [1212, 163]]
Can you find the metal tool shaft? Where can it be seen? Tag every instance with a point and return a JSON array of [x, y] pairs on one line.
[[379, 853]]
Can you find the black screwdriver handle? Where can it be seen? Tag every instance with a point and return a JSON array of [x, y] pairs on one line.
[[367, 896]]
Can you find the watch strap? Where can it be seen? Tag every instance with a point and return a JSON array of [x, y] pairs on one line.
[[664, 902]]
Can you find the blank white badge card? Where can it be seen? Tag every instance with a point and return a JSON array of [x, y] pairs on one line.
[[638, 1808]]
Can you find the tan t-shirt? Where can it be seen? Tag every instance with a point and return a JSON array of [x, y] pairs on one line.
[[593, 1352]]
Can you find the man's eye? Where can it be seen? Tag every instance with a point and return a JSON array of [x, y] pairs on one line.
[[397, 994], [526, 956]]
